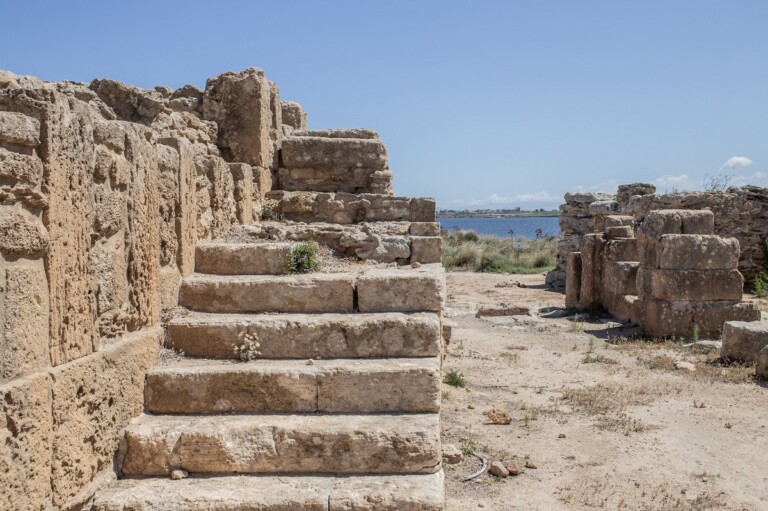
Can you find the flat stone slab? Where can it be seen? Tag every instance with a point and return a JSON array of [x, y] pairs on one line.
[[697, 252], [401, 290], [317, 292], [242, 258], [743, 340], [308, 335], [422, 492], [408, 385], [271, 444]]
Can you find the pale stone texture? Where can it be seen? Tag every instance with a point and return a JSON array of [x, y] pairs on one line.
[[269, 386], [697, 252], [406, 290], [239, 103], [297, 293], [744, 340], [696, 285], [25, 443], [242, 176], [293, 115], [573, 280], [19, 129], [23, 168], [308, 335], [24, 343], [21, 234], [93, 399], [426, 249], [343, 444], [242, 258]]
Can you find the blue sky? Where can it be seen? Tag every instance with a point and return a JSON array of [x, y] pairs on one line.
[[481, 103]]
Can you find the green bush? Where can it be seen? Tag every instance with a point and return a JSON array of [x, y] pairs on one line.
[[455, 379], [469, 251], [760, 286], [303, 258]]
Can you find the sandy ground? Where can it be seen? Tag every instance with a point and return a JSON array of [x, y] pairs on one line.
[[611, 426]]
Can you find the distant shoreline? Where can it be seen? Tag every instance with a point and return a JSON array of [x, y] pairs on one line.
[[491, 214]]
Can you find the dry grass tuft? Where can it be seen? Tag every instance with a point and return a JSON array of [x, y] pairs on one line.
[[491, 254], [603, 398]]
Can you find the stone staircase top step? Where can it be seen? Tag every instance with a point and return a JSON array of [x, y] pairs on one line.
[[195, 386], [287, 444], [423, 492], [303, 336], [224, 258]]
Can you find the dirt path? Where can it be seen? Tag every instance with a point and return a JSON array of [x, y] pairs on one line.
[[609, 425]]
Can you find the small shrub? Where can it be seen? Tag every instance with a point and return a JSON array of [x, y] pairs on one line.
[[760, 286], [249, 349], [719, 183], [303, 258], [455, 379], [468, 446], [270, 211]]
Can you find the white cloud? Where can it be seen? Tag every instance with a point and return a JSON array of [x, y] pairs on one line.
[[681, 182], [500, 200], [736, 162], [609, 186]]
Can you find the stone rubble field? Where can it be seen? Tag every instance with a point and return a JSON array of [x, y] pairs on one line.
[[609, 422]]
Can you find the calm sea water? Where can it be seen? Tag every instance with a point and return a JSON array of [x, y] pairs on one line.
[[501, 227]]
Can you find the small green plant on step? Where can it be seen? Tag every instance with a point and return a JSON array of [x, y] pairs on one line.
[[303, 258], [270, 211], [455, 379], [760, 286], [249, 349]]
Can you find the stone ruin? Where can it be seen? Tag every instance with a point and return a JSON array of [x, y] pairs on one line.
[[669, 273], [132, 219]]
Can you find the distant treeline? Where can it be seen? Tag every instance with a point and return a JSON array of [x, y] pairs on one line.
[[495, 213]]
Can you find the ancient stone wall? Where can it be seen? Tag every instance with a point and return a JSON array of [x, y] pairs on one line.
[[740, 213], [105, 190]]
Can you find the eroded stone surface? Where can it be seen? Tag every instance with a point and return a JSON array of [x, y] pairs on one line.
[[410, 290], [744, 340], [242, 258]]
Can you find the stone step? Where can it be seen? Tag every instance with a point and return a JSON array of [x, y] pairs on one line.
[[403, 289], [408, 385], [318, 292], [283, 444], [422, 492], [364, 335], [242, 258]]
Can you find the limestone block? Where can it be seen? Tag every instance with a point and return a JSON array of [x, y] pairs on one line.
[[422, 210], [618, 221], [23, 168], [577, 225], [275, 124], [573, 280], [23, 319], [108, 261], [395, 493], [242, 258], [222, 195], [343, 444], [619, 278], [19, 129], [110, 209], [671, 319], [424, 229], [696, 285], [68, 142], [293, 115], [310, 152], [364, 133], [95, 397], [591, 270], [621, 250], [240, 105], [426, 249], [318, 292], [184, 236], [761, 369], [401, 290], [678, 221], [744, 340], [25, 443], [170, 283], [316, 336], [242, 176], [619, 232], [697, 252], [587, 198], [21, 234], [110, 134]]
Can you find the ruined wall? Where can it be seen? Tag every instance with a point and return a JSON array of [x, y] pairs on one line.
[[740, 213], [104, 191]]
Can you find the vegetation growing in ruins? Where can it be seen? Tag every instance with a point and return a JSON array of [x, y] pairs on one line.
[[470, 251], [303, 258], [270, 211], [249, 349], [455, 379], [760, 286]]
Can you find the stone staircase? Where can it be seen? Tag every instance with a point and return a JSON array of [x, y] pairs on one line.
[[339, 411]]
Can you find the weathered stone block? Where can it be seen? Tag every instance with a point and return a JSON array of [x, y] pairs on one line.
[[403, 290], [696, 285], [242, 258], [21, 234], [108, 261], [426, 249], [310, 152], [678, 221], [110, 209], [573, 280], [293, 115], [242, 175], [618, 221], [20, 129], [424, 229], [170, 283], [619, 232], [621, 250], [761, 369], [423, 210], [240, 104], [591, 270], [619, 278], [23, 168], [744, 340], [93, 399], [25, 443], [179, 197], [673, 319], [697, 252]]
